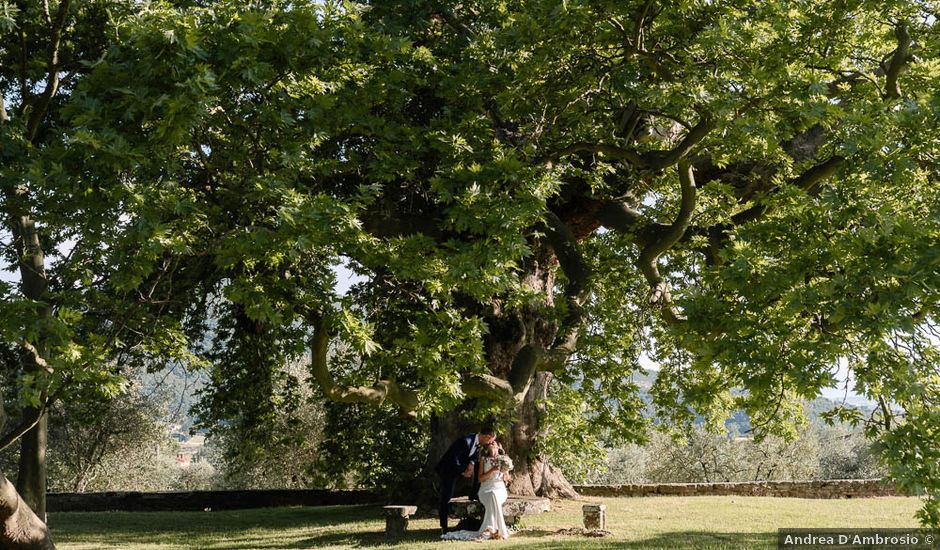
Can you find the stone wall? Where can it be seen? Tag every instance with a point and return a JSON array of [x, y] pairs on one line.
[[832, 488], [235, 500], [202, 500]]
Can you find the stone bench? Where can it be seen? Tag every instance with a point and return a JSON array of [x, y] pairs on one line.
[[514, 508], [396, 520]]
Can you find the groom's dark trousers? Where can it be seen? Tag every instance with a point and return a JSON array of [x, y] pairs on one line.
[[461, 454]]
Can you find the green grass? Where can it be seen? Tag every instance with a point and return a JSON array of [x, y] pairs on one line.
[[655, 522]]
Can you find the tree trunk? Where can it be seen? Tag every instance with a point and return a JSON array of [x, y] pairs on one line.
[[22, 529], [533, 475], [508, 333], [31, 481]]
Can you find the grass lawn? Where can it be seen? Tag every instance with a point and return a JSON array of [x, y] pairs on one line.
[[653, 522]]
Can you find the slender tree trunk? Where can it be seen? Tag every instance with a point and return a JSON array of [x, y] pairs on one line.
[[31, 480]]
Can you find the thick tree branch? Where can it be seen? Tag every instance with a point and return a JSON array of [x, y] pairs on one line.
[[533, 357], [663, 240], [578, 274], [486, 386], [669, 235], [52, 76], [473, 385], [652, 160], [899, 60], [612, 151], [809, 181], [659, 160], [377, 394], [619, 216], [524, 366]]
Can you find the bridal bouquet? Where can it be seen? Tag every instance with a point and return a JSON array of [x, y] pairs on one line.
[[504, 462]]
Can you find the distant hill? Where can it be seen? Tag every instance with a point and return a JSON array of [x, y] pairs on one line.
[[174, 390], [739, 419]]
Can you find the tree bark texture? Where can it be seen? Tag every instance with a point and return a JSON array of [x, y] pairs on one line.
[[507, 342], [31, 479], [22, 529]]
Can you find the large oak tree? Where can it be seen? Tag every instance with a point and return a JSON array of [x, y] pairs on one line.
[[534, 194], [544, 190]]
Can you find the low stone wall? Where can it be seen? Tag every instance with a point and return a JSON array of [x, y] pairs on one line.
[[831, 488], [202, 500]]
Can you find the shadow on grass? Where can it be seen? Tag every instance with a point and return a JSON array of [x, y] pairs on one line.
[[532, 539], [182, 528], [349, 526], [671, 540]]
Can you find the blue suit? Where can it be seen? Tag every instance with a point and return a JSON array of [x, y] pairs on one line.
[[462, 453]]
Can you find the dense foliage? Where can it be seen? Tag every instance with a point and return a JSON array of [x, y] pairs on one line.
[[372, 448], [533, 193]]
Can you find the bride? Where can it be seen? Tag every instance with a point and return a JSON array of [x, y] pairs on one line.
[[492, 494]]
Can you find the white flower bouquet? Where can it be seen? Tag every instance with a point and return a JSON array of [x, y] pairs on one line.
[[504, 462]]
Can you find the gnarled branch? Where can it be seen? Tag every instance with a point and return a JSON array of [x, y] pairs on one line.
[[658, 160], [652, 160], [377, 394], [808, 181], [486, 386], [663, 240], [533, 357], [572, 263], [52, 68], [524, 366]]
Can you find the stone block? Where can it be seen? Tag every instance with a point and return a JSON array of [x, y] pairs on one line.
[[396, 520], [595, 516], [513, 509]]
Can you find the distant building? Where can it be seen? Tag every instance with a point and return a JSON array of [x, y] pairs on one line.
[[191, 451]]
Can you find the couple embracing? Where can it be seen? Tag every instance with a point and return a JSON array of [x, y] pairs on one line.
[[481, 457]]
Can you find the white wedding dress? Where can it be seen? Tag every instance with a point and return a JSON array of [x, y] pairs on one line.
[[493, 495]]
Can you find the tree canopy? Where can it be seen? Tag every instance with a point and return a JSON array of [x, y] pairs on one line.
[[534, 194]]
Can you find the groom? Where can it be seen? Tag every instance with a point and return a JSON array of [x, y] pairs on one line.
[[459, 460]]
